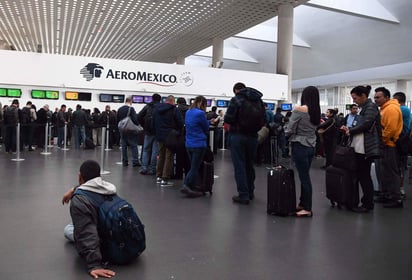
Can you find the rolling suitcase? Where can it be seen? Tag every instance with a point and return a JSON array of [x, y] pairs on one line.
[[281, 192], [207, 177], [341, 187]]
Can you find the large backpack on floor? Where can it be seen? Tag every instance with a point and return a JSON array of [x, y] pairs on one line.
[[120, 229]]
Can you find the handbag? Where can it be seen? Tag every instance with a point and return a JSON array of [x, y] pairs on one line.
[[322, 130], [358, 143], [174, 140], [126, 125], [345, 156]]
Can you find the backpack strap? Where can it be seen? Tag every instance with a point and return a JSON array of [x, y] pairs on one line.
[[95, 198]]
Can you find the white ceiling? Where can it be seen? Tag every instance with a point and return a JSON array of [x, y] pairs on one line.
[[335, 41]]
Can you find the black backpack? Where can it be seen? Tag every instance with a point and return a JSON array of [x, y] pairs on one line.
[[121, 232], [148, 119], [25, 115], [251, 116], [11, 115]]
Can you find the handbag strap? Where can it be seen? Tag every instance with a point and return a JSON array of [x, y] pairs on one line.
[[128, 112]]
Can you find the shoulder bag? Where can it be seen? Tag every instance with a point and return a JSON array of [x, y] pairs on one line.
[[126, 125]]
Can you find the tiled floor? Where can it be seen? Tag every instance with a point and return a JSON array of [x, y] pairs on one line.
[[205, 238]]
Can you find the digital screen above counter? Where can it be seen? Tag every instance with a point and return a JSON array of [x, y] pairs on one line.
[[137, 99], [10, 92], [286, 106], [222, 103], [114, 98], [80, 96], [44, 94]]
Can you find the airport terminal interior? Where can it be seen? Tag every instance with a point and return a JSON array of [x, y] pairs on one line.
[[204, 238], [336, 45]]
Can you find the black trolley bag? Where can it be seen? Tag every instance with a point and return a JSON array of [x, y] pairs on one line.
[[281, 196], [341, 187], [206, 179]]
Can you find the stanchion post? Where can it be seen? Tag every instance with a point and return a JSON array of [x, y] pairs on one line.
[[211, 139], [223, 140], [102, 171], [49, 136], [65, 139], [107, 138], [46, 138], [18, 144]]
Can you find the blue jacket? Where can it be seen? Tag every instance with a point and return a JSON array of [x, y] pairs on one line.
[[197, 128], [165, 118]]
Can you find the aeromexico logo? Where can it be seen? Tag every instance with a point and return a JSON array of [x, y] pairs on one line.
[[94, 70]]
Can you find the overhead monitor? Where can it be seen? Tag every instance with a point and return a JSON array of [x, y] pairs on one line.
[[164, 99], [36, 93], [118, 98], [271, 106], [222, 103], [286, 106], [14, 92], [103, 97], [52, 94], [71, 95], [192, 100], [147, 99], [3, 92], [85, 96], [137, 98], [209, 102]]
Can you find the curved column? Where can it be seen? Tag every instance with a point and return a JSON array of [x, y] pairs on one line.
[[217, 57]]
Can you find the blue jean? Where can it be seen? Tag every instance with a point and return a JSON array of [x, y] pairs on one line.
[[129, 140], [196, 157], [60, 137], [243, 150], [79, 134], [302, 156], [150, 151]]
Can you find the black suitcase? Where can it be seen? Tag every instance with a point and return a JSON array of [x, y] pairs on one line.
[[281, 187], [341, 187], [206, 177], [281, 192], [89, 145]]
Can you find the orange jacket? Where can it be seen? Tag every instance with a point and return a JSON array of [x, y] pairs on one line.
[[391, 120]]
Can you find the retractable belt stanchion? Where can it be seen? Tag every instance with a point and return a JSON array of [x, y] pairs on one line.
[[107, 140], [102, 171], [211, 139], [18, 144], [223, 140], [121, 156], [46, 140], [49, 135], [65, 139]]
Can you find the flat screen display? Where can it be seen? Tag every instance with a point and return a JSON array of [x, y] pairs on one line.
[[209, 102], [147, 99], [3, 92], [13, 92], [118, 98], [271, 106], [105, 97], [164, 99], [35, 93], [137, 99], [52, 94], [71, 95], [85, 96], [286, 106], [222, 103]]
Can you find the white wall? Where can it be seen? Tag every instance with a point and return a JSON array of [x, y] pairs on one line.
[[29, 71]]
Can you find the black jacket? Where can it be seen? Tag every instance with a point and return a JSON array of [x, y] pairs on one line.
[[165, 118], [370, 126]]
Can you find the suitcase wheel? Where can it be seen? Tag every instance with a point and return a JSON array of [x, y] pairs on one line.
[[333, 204]]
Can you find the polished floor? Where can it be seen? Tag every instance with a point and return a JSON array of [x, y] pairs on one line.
[[205, 238]]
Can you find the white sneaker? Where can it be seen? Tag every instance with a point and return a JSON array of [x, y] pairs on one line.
[[158, 180], [165, 183]]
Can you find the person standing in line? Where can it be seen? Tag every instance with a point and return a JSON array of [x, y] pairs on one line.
[[182, 158], [366, 125], [349, 118], [301, 131], [329, 136], [79, 119], [197, 128], [406, 118], [128, 139], [150, 146], [61, 121], [11, 118], [166, 117], [246, 116], [388, 170]]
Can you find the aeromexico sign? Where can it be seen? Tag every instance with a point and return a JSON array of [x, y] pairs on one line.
[[96, 71]]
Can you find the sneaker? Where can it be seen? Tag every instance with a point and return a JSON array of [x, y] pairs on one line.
[[165, 183], [143, 172], [237, 199], [158, 180]]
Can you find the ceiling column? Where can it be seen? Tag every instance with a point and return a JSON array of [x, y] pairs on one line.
[[404, 86], [285, 44], [180, 60], [217, 57]]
